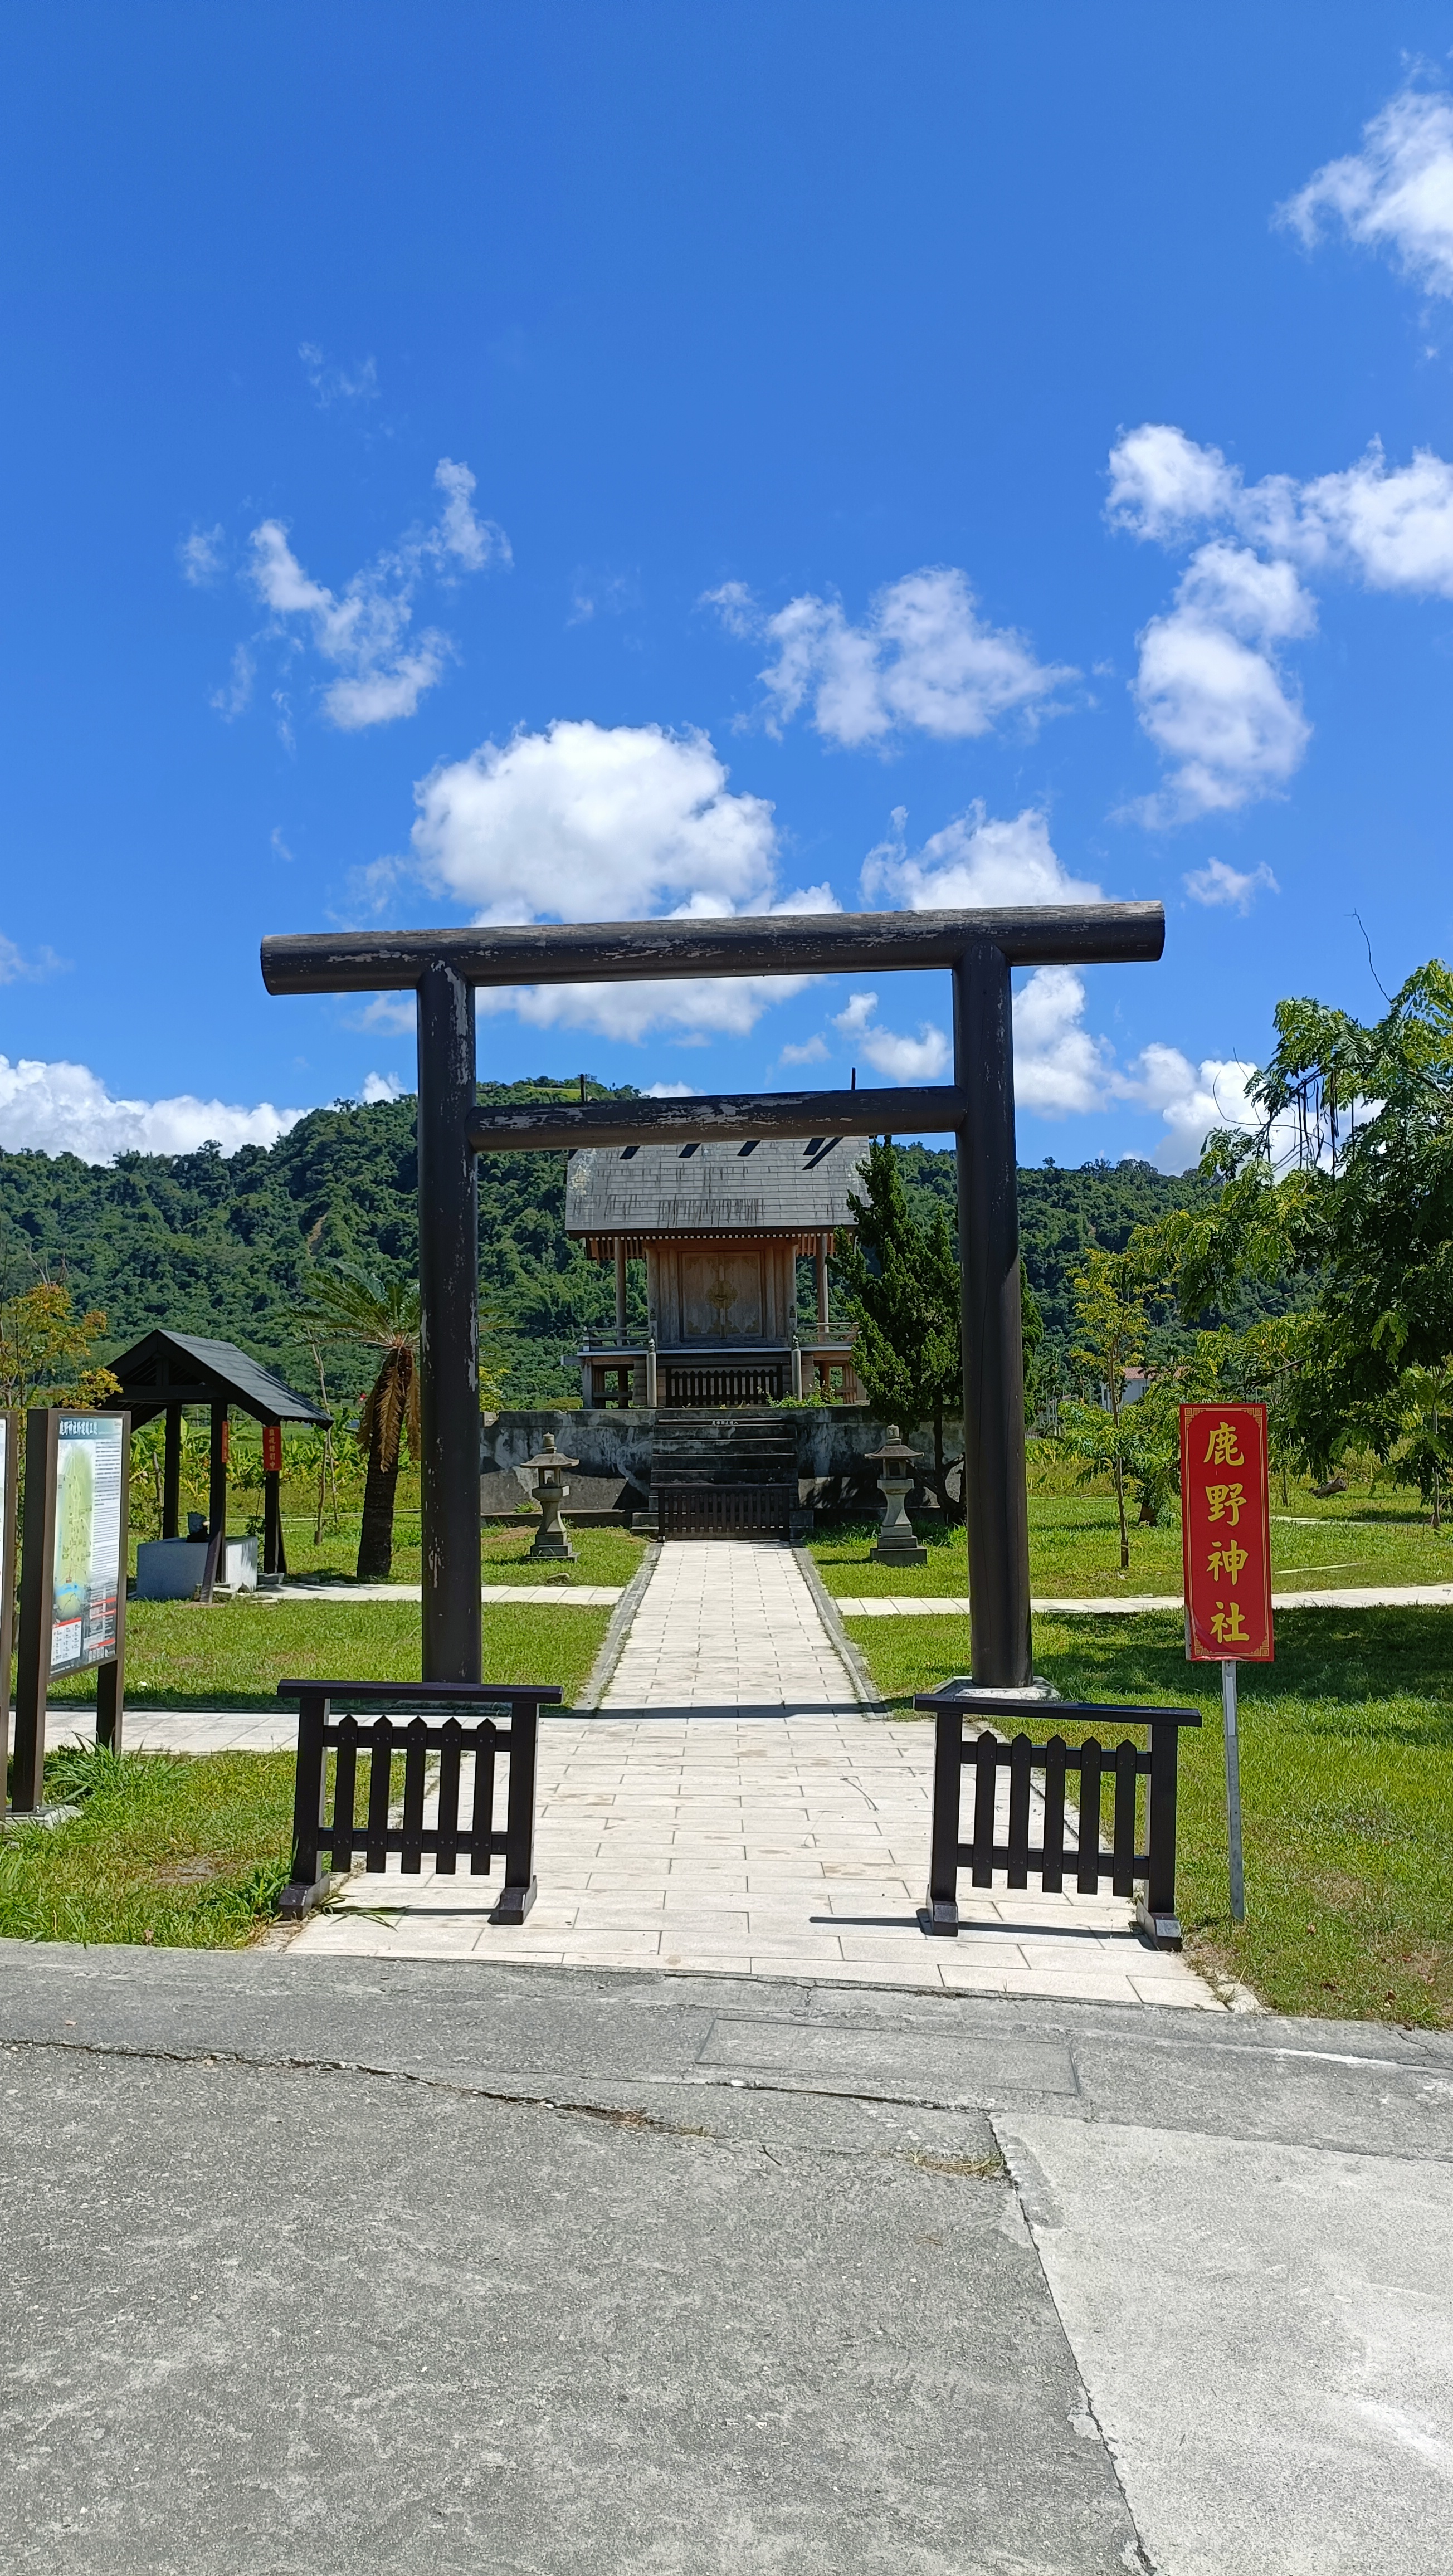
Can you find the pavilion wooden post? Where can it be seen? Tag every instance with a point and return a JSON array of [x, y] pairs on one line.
[[171, 1473], [448, 1329], [215, 1569], [996, 1504]]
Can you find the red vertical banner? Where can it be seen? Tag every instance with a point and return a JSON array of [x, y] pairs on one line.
[[272, 1448], [1226, 1533]]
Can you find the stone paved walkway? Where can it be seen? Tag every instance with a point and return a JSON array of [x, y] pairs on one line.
[[678, 1830]]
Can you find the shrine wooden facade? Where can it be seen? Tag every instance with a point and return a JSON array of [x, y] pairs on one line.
[[721, 1228]]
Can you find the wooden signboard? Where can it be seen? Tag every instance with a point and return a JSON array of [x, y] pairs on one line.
[[73, 1577], [1226, 1551], [1226, 1533]]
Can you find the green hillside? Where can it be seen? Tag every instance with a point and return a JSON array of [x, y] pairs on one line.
[[214, 1245]]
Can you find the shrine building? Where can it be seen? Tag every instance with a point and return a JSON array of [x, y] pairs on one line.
[[721, 1229]]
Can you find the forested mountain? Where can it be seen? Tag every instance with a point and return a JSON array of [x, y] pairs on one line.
[[218, 1245]]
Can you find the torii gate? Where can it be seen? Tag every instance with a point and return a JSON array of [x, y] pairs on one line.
[[443, 968]]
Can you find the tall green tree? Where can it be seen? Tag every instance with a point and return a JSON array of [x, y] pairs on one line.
[[1347, 1186], [900, 1284], [1101, 1430], [344, 1303]]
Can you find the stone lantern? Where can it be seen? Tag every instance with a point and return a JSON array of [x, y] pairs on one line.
[[898, 1542], [552, 1539]]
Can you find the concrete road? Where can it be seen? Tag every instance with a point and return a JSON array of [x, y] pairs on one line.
[[413, 2267]]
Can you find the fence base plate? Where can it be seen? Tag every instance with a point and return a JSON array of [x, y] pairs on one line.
[[940, 1917], [301, 1895], [1162, 1930], [514, 1904]]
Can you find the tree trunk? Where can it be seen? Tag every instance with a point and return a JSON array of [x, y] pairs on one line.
[[376, 1538], [1120, 1507]]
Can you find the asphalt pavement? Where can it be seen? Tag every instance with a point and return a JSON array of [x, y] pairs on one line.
[[407, 2266]]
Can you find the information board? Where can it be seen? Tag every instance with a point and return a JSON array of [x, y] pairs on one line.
[[86, 1557], [1226, 1533]]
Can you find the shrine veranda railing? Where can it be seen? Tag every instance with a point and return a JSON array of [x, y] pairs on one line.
[[415, 1721], [1067, 1849]]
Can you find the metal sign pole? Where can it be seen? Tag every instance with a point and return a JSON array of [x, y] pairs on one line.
[[1233, 1790]]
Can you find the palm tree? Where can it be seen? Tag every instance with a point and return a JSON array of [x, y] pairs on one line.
[[345, 1303]]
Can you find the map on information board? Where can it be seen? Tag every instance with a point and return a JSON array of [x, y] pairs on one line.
[[87, 1574]]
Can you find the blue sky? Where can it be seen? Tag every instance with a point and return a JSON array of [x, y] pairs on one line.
[[584, 461]]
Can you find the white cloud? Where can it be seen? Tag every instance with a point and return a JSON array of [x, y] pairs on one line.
[[334, 384], [1059, 1068], [66, 1109], [201, 556], [1162, 483], [693, 1014], [1216, 883], [1392, 527], [278, 845], [592, 823], [586, 822], [902, 1059], [1396, 194], [1210, 689], [380, 1086], [858, 1012], [237, 696], [1192, 1100], [17, 968], [812, 1051], [736, 608], [672, 1091], [366, 631], [1209, 692], [974, 862], [923, 660]]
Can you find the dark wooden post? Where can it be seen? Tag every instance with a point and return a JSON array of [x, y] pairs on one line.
[[37, 1571], [9, 1487], [217, 1481], [309, 1789], [171, 1474], [214, 1569], [111, 1678], [942, 1904], [995, 1501], [518, 1893], [274, 1560], [449, 1328]]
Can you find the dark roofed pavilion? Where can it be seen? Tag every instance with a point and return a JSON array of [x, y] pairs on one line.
[[166, 1371]]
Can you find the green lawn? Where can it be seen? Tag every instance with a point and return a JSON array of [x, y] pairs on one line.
[[1074, 1542], [233, 1655], [605, 1555], [188, 1853], [1347, 1791], [193, 1850]]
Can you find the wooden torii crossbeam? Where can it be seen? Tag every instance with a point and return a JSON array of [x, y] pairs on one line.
[[443, 967]]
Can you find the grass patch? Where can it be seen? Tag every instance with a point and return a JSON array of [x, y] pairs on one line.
[[1346, 1785], [184, 1853], [234, 1654], [1074, 1550], [605, 1555]]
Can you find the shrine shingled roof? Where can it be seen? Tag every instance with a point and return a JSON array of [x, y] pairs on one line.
[[772, 1187]]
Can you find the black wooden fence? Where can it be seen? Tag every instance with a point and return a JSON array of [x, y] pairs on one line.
[[1083, 1860], [434, 1727]]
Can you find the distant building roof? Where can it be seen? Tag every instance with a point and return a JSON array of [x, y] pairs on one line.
[[183, 1368], [774, 1187]]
